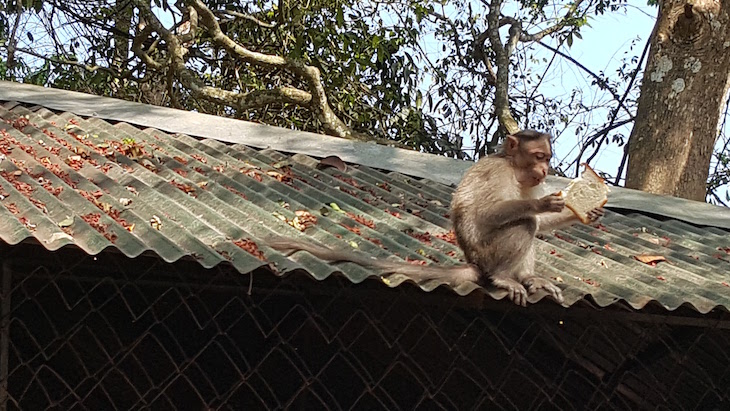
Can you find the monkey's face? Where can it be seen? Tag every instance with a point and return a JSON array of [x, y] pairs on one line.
[[531, 161]]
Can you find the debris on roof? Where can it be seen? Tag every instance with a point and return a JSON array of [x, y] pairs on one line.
[[68, 181]]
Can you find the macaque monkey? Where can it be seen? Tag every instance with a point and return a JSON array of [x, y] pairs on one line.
[[496, 212]]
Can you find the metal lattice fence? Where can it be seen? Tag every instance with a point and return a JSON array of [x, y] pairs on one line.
[[107, 332]]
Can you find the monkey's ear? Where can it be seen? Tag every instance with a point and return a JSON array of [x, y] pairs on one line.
[[511, 145]]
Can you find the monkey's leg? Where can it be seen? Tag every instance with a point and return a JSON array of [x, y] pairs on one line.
[[534, 283], [516, 291]]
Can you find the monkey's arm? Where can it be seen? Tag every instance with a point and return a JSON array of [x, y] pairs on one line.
[[552, 221], [508, 211]]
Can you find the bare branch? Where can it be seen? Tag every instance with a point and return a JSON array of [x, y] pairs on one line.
[[501, 100], [614, 113], [601, 83], [142, 54], [621, 166], [480, 55], [248, 17], [514, 37], [599, 136], [565, 21], [186, 77], [279, 95], [331, 123], [726, 145], [12, 40], [69, 62], [189, 35], [198, 13]]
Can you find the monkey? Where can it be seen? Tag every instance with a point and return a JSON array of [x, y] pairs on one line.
[[496, 211]]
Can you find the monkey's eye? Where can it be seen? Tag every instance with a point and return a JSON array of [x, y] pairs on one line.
[[540, 156]]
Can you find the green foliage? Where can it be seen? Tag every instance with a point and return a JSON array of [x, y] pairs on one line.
[[39, 76], [366, 65], [374, 59]]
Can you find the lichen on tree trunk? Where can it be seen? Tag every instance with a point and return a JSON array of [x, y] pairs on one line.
[[683, 90]]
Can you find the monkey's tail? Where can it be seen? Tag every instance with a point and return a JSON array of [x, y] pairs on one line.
[[290, 247], [452, 274]]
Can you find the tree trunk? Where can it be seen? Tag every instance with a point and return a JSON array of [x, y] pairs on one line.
[[682, 94]]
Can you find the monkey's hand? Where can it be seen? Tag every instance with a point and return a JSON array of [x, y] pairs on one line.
[[553, 203], [516, 291], [535, 283], [595, 214]]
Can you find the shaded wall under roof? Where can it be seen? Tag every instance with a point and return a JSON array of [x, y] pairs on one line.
[[109, 332]]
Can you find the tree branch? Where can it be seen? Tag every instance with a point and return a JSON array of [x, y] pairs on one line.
[[502, 54], [245, 16], [601, 83], [69, 62], [719, 133], [600, 134], [614, 113], [198, 13], [279, 95], [12, 40], [177, 63], [555, 28], [331, 123], [142, 54], [621, 166], [192, 30], [480, 55]]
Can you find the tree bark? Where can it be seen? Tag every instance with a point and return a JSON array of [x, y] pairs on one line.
[[684, 87]]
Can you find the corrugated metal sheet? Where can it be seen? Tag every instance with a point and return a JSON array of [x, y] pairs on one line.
[[68, 181]]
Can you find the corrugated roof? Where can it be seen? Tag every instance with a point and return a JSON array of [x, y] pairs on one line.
[[69, 181], [413, 163]]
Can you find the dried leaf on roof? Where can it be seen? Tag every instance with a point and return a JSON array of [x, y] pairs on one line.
[[250, 247], [651, 260], [332, 161], [362, 220]]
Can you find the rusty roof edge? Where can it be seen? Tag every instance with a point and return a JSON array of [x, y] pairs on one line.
[[436, 168]]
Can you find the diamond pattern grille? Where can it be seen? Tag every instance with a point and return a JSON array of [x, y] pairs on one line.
[[107, 332]]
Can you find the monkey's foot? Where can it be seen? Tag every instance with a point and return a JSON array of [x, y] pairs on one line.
[[536, 283], [516, 291]]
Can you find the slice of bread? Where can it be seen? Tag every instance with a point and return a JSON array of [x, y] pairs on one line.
[[585, 193]]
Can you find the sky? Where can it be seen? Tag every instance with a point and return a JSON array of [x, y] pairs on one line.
[[601, 49]]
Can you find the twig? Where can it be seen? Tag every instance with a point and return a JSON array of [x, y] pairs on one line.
[[601, 83], [69, 62], [248, 17], [614, 113], [621, 166]]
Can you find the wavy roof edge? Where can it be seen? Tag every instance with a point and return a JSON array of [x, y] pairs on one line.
[[428, 166]]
